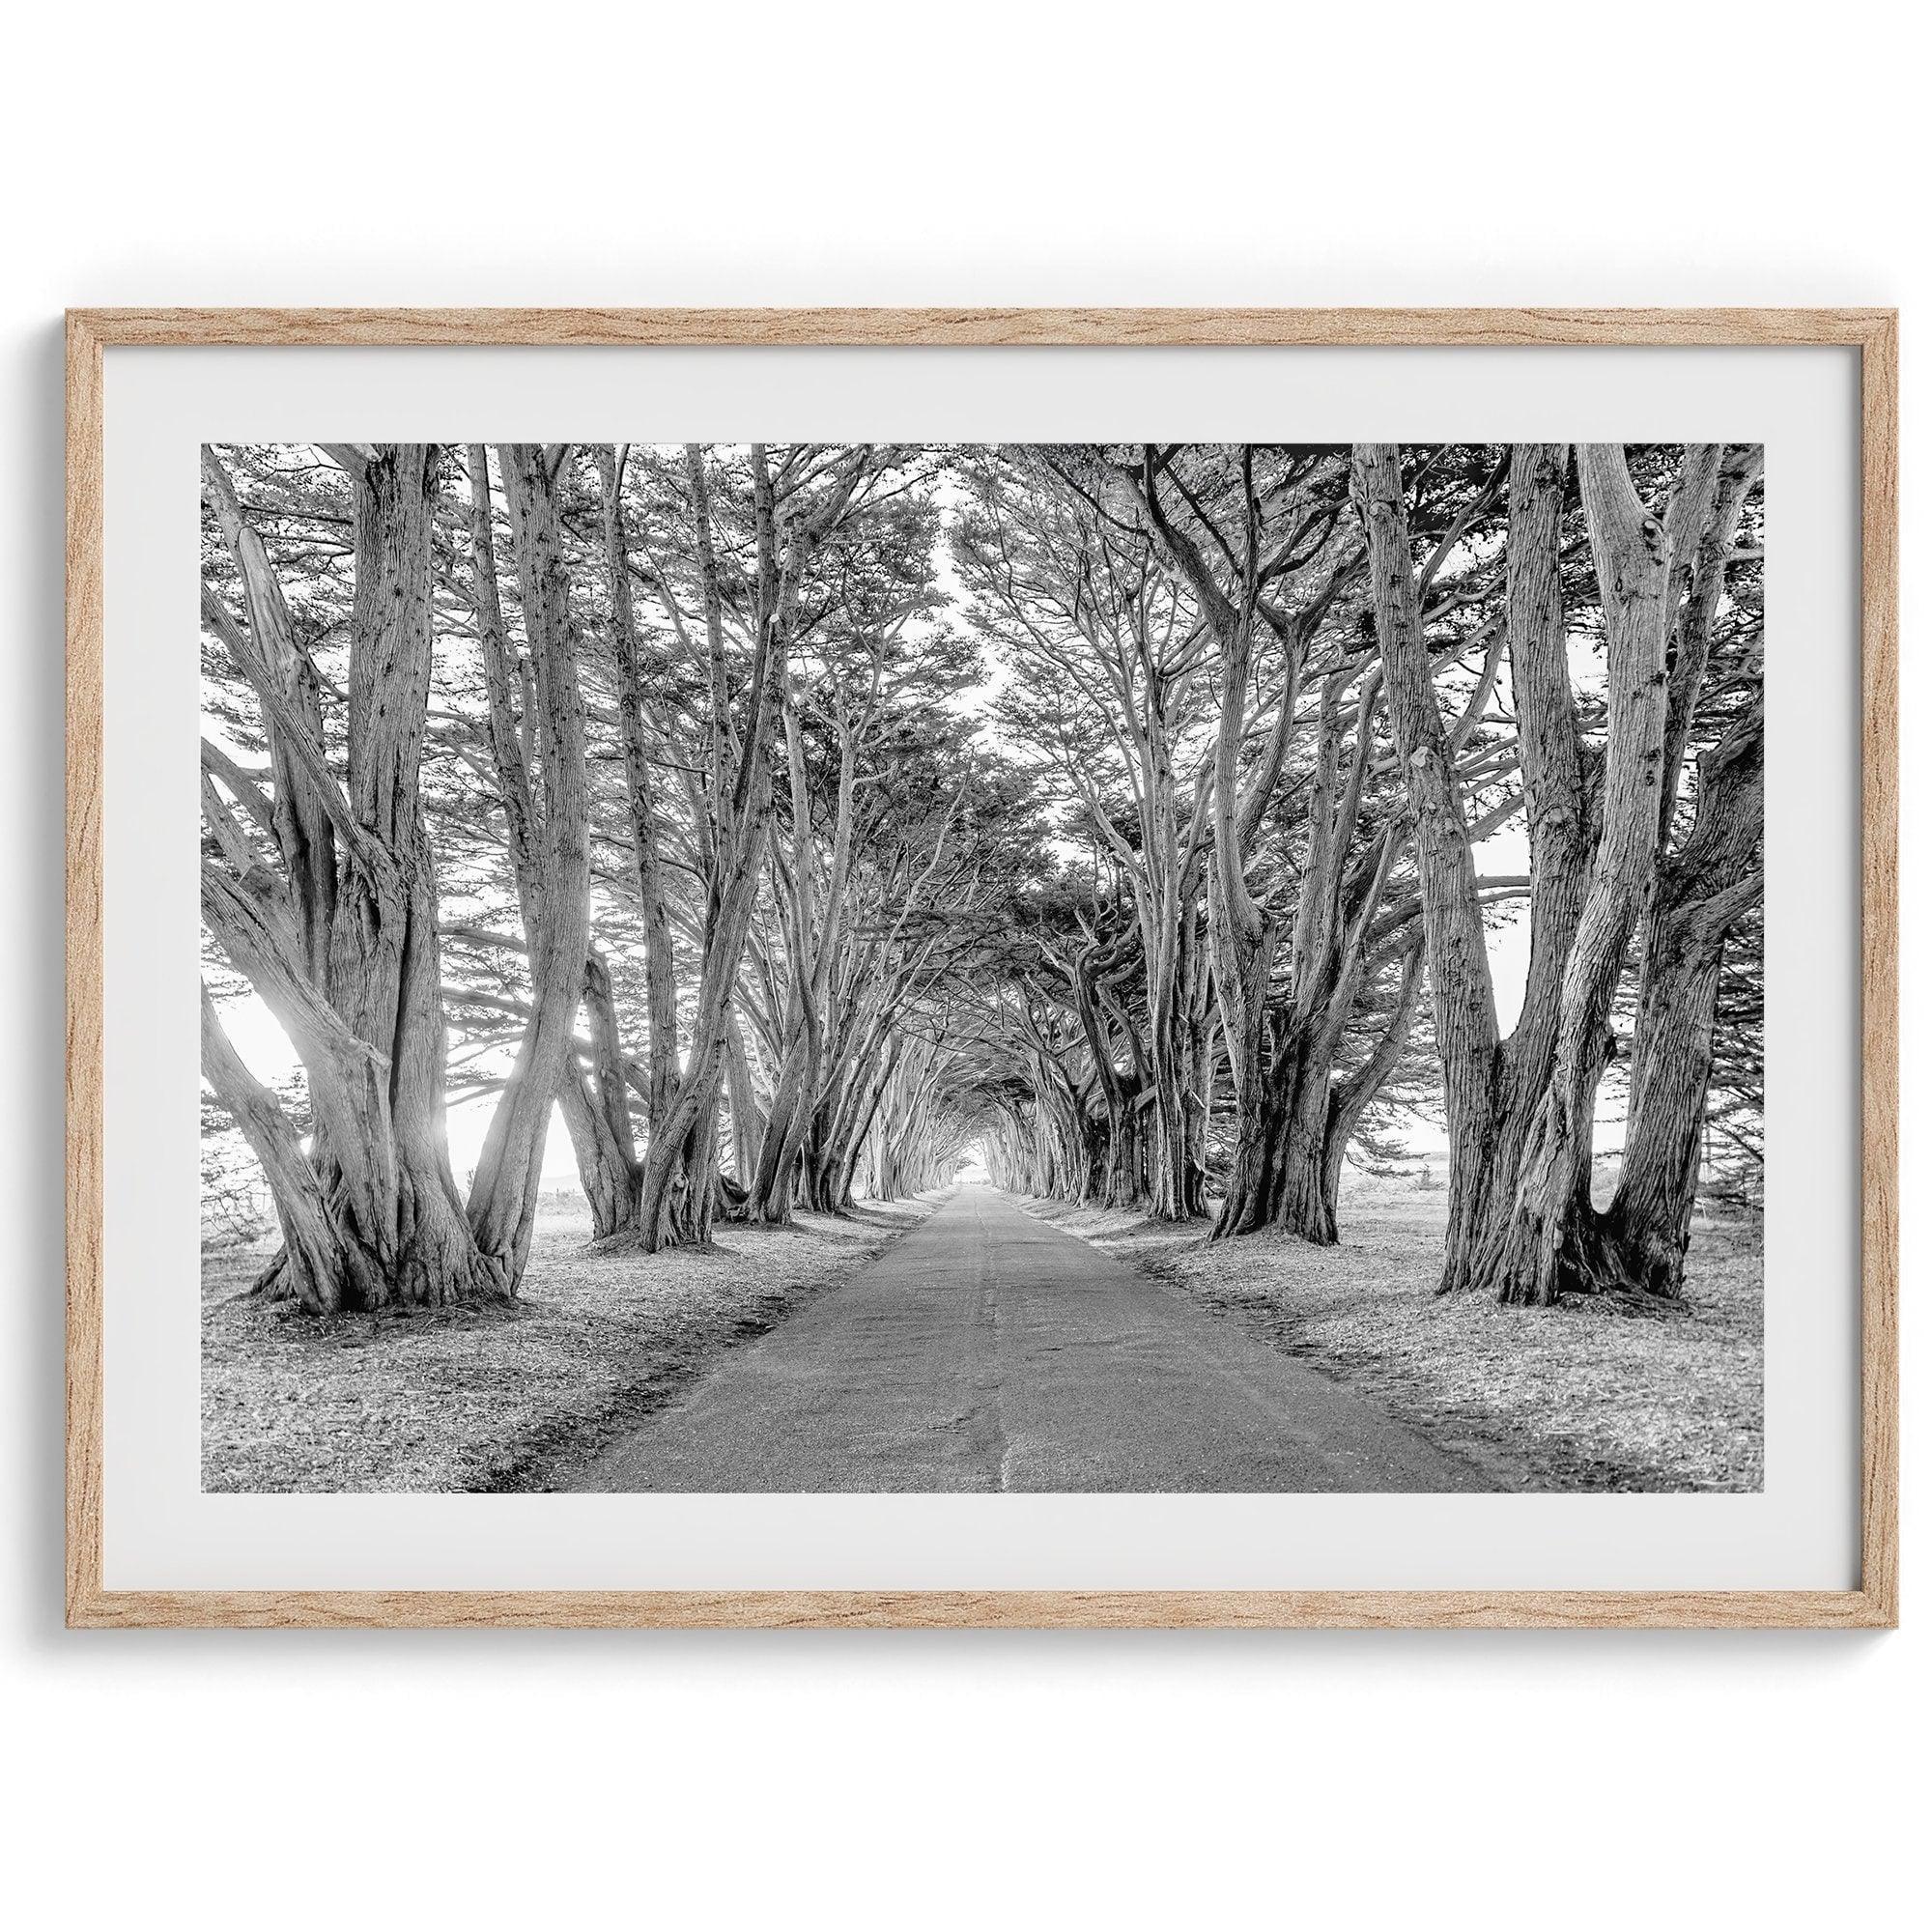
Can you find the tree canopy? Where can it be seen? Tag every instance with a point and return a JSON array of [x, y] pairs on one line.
[[792, 819]]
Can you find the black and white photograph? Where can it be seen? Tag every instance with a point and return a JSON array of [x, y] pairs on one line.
[[982, 968]]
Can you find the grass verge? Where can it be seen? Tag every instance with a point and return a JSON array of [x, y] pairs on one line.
[[497, 1398]]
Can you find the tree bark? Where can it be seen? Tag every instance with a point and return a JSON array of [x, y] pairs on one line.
[[641, 788], [314, 1265], [1703, 893], [595, 1102], [1451, 920], [509, 1173], [354, 973], [1541, 1247]]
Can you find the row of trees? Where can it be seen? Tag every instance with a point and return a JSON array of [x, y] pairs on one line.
[[1289, 693], [620, 782], [637, 783]]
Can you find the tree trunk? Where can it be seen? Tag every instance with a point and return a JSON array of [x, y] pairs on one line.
[[1646, 1229], [1452, 920], [364, 1009], [1557, 814], [1704, 891], [748, 1119], [1349, 1100], [596, 1107], [641, 788], [680, 1180], [315, 1265], [1541, 1249], [509, 1173], [1303, 1204], [609, 1182]]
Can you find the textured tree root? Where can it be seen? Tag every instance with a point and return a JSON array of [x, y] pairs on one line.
[[1593, 1267], [484, 1280]]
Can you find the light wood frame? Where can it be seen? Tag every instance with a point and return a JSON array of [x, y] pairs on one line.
[[1872, 332]]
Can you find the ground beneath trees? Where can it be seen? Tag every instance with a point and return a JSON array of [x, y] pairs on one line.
[[485, 1400], [1572, 1398], [1575, 1399]]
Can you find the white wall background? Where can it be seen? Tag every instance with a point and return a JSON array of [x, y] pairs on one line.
[[997, 152]]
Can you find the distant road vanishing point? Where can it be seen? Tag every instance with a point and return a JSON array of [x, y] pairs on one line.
[[988, 1351]]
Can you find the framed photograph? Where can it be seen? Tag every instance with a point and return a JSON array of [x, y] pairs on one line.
[[985, 967]]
